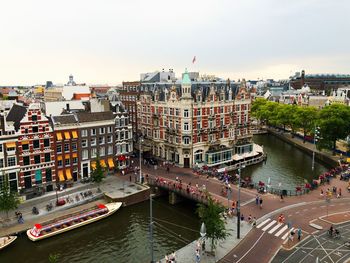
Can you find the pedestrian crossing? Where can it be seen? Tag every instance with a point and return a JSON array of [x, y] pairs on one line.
[[272, 227]]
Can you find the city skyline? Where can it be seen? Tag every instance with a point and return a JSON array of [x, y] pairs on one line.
[[115, 42]]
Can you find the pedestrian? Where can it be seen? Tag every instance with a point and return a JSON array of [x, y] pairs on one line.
[[254, 222], [257, 200], [203, 246], [242, 217], [299, 233], [167, 169], [123, 172], [198, 256], [261, 202], [339, 193], [130, 178], [281, 197], [322, 193]]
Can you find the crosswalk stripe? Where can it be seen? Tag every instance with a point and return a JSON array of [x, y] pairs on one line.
[[275, 228], [288, 232], [269, 225], [281, 231], [263, 223]]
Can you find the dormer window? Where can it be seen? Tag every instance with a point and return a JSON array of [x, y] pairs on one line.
[[34, 118]]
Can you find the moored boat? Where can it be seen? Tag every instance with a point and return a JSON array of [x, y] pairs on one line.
[[5, 241], [70, 222]]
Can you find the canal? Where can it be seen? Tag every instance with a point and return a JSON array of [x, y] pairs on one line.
[[123, 237], [286, 165]]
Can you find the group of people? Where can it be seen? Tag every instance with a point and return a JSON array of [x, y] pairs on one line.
[[170, 258], [19, 217], [331, 192], [292, 233], [259, 201]]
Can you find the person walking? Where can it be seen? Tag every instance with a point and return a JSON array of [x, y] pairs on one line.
[[257, 200], [281, 197], [299, 233], [198, 256], [261, 202]]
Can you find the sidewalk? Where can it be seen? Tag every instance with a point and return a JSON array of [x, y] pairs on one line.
[[188, 253]]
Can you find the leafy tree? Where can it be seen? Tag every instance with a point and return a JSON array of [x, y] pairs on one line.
[[334, 124], [306, 117], [285, 115], [97, 174], [9, 200], [215, 225]]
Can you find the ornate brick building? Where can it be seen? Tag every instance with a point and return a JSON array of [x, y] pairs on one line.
[[196, 123]]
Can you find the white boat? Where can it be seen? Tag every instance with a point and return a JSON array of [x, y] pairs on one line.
[[5, 241], [70, 222]]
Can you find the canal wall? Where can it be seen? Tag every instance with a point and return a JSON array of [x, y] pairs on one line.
[[309, 148]]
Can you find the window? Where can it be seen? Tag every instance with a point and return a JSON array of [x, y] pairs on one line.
[[1, 163], [36, 159], [48, 175], [74, 146], [59, 148], [84, 133], [110, 129], [110, 149], [186, 140], [177, 112], [199, 138], [46, 142], [34, 117], [26, 160], [47, 157], [102, 151], [93, 141], [211, 111], [198, 112], [102, 130], [186, 113], [199, 126], [11, 161], [186, 126], [84, 143], [67, 161], [66, 147], [93, 152], [59, 163], [35, 129], [109, 138], [93, 131], [36, 144], [85, 154], [75, 160], [101, 140]]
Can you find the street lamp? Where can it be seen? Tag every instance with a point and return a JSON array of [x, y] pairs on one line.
[[239, 202], [140, 152], [316, 136]]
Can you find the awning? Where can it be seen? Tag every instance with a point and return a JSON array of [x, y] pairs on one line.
[[93, 165], [348, 160], [25, 142], [75, 155], [103, 163], [66, 156], [67, 135], [110, 163], [61, 176], [74, 134], [59, 136], [11, 145], [68, 175], [59, 158]]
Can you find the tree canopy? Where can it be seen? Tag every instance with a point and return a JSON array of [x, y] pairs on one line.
[[97, 174], [210, 214], [9, 200]]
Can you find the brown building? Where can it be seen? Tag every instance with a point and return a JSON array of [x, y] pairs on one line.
[[34, 149], [327, 82]]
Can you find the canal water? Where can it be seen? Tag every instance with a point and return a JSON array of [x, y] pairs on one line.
[[123, 237], [286, 166]]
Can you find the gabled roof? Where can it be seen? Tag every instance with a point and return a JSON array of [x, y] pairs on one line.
[[16, 114], [64, 119], [95, 116]]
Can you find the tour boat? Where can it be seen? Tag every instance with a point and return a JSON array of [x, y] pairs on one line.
[[64, 224], [5, 241]]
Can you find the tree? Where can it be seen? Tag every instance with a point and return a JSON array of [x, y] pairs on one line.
[[53, 258], [97, 174], [306, 117], [334, 124], [9, 200], [215, 224]]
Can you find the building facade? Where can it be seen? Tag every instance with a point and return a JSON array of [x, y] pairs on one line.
[[35, 150], [196, 123]]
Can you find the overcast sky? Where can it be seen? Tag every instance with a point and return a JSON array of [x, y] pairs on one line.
[[108, 41]]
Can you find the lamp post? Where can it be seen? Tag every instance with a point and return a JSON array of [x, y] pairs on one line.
[[239, 203], [316, 136], [140, 152]]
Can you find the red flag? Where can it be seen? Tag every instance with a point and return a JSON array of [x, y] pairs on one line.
[[194, 59]]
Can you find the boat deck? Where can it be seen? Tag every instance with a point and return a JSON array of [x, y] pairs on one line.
[[18, 228]]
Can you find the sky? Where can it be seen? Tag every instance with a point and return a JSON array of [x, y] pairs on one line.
[[110, 41]]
